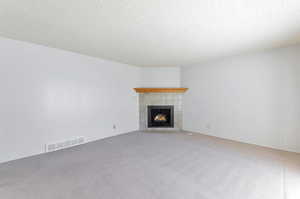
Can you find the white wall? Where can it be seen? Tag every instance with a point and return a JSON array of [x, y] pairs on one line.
[[48, 95], [251, 98], [160, 77]]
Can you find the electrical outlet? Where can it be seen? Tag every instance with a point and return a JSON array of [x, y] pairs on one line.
[[208, 126], [114, 127]]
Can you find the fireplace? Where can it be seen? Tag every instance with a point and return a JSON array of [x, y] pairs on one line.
[[160, 109], [160, 116]]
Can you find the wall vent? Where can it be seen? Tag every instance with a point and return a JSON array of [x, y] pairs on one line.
[[64, 144]]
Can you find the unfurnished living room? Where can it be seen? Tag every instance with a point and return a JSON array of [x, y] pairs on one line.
[[157, 99]]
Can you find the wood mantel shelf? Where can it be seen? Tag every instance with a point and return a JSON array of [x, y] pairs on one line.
[[160, 90]]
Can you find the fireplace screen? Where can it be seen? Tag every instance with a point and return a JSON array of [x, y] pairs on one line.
[[160, 116]]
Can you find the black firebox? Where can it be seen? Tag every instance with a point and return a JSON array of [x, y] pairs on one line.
[[160, 116]]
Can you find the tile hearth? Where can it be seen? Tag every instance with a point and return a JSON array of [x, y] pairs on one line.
[[160, 99]]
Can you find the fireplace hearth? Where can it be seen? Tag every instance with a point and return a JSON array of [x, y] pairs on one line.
[[160, 109], [161, 116]]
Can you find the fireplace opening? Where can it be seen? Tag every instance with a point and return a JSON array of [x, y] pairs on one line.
[[160, 116]]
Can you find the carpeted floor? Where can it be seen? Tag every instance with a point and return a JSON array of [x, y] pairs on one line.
[[141, 165]]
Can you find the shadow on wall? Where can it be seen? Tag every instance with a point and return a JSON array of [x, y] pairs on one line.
[[252, 98]]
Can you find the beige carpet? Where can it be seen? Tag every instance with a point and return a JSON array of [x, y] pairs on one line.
[[155, 166]]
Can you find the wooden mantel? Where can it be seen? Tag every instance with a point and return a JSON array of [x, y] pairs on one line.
[[160, 90]]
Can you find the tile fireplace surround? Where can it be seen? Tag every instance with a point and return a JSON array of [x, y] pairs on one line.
[[163, 98]]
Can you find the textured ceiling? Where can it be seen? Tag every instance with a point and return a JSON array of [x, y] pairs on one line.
[[153, 32]]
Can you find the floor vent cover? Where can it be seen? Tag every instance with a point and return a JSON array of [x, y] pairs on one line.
[[64, 144]]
